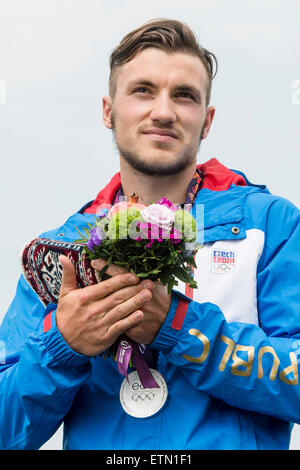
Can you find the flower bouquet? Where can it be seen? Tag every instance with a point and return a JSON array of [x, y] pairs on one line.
[[156, 242]]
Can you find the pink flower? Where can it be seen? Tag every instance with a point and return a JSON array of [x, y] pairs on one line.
[[175, 236], [165, 202], [160, 215]]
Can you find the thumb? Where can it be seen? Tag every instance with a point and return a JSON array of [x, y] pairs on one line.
[[69, 281]]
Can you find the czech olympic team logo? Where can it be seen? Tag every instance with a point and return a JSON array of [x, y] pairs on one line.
[[223, 261]]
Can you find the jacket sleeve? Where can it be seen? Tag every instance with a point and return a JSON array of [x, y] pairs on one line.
[[253, 367], [39, 373]]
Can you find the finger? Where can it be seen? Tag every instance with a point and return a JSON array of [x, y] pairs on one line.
[[108, 287], [126, 323], [69, 281], [120, 296], [112, 270], [126, 308]]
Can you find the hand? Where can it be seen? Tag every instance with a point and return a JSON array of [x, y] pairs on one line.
[[155, 309], [92, 318]]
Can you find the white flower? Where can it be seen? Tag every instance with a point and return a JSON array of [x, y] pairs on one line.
[[160, 215]]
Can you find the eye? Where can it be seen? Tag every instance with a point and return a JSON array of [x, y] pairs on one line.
[[185, 94], [141, 90]]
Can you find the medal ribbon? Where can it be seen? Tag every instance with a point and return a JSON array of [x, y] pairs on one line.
[[128, 349], [124, 355]]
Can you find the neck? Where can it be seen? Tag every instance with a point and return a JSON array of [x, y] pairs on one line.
[[153, 188]]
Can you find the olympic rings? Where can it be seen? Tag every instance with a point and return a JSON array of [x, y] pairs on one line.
[[223, 267], [140, 397]]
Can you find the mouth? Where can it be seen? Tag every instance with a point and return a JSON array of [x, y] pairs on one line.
[[161, 135]]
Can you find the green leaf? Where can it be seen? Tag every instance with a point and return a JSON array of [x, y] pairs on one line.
[[154, 271], [182, 275], [82, 236], [193, 285], [81, 241], [171, 284], [103, 271], [87, 232], [122, 263], [166, 277], [191, 261]]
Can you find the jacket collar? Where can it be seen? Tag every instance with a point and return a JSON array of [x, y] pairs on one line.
[[218, 206], [219, 214], [217, 177]]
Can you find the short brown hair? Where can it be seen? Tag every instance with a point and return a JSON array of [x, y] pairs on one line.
[[165, 34]]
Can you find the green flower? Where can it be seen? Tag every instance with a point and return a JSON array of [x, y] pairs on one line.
[[119, 223], [185, 223]]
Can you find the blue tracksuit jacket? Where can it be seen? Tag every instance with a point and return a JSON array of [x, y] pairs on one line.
[[229, 355]]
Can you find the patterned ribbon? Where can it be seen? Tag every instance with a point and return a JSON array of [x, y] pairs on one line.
[[193, 188]]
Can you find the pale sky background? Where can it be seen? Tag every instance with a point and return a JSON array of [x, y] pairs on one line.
[[56, 153]]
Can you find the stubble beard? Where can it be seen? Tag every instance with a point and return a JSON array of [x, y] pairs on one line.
[[158, 168], [150, 168]]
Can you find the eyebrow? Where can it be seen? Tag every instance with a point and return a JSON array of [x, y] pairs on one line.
[[182, 87]]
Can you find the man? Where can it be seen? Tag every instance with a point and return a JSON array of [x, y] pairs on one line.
[[228, 351]]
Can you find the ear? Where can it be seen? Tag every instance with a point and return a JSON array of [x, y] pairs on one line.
[[106, 108], [210, 112]]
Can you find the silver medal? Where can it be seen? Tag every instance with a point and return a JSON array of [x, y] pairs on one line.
[[141, 402]]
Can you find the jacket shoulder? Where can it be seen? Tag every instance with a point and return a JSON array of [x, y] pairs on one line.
[[67, 231], [262, 208]]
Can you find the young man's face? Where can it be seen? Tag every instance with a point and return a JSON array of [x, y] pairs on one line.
[[159, 113]]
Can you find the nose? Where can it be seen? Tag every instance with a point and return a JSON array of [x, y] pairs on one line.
[[163, 110]]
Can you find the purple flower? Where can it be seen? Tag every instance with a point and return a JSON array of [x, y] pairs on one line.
[[165, 202], [95, 238]]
